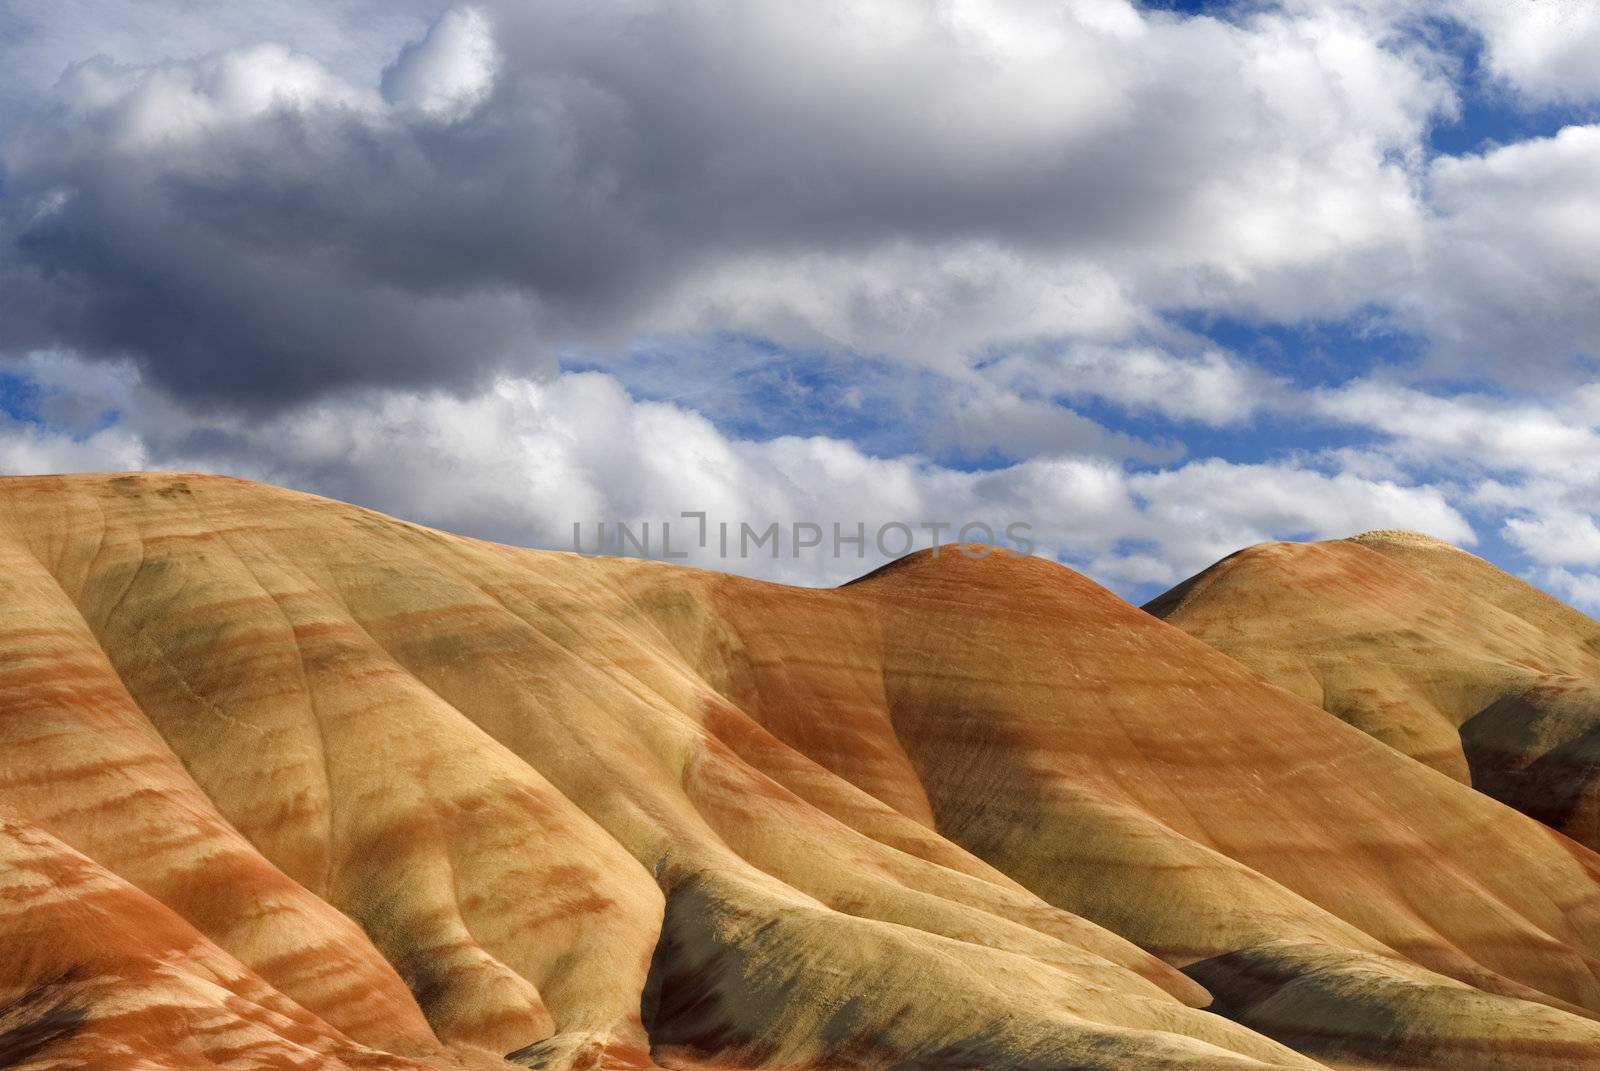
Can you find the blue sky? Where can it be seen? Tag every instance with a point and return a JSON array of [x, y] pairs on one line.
[[1157, 280]]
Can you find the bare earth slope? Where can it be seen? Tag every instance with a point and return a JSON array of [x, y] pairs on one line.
[[1437, 653], [285, 783]]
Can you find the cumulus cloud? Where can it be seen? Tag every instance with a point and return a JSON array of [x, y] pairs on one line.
[[1512, 282], [28, 448], [919, 181], [1220, 506], [1535, 53], [450, 71], [522, 460], [44, 37], [1581, 589], [1563, 538], [1208, 387], [1545, 50], [347, 246], [1530, 467], [1487, 433], [908, 179], [65, 418]]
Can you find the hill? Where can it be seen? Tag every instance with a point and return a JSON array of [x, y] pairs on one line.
[[1441, 655], [286, 783]]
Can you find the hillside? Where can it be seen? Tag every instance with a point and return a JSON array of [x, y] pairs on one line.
[[288, 784], [1441, 655]]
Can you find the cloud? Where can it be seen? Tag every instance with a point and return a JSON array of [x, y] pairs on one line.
[[979, 419], [522, 460], [65, 416], [1580, 589], [1545, 51], [1219, 506], [1534, 53], [349, 246], [918, 181], [27, 448], [1529, 467], [449, 72], [937, 305], [1472, 431], [43, 37], [1207, 387], [1558, 539], [1511, 280]]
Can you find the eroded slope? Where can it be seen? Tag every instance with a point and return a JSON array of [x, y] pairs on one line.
[[1435, 652], [395, 795]]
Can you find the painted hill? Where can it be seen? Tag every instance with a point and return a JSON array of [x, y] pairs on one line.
[[289, 784], [1435, 652]]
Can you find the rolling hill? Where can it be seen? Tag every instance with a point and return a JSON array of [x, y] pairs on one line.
[[1439, 654], [285, 783]]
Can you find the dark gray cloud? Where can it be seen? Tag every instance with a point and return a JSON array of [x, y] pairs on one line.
[[256, 228]]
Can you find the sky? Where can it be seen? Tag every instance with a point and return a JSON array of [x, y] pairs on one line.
[[1155, 281]]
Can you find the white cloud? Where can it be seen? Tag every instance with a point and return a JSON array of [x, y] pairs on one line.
[[1474, 431], [1535, 52], [145, 109], [450, 71], [1580, 589], [1212, 507], [1511, 285], [354, 38], [982, 419], [69, 422], [523, 460], [1544, 49], [1531, 468], [1561, 538], [926, 182], [1208, 387], [936, 304], [27, 448]]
